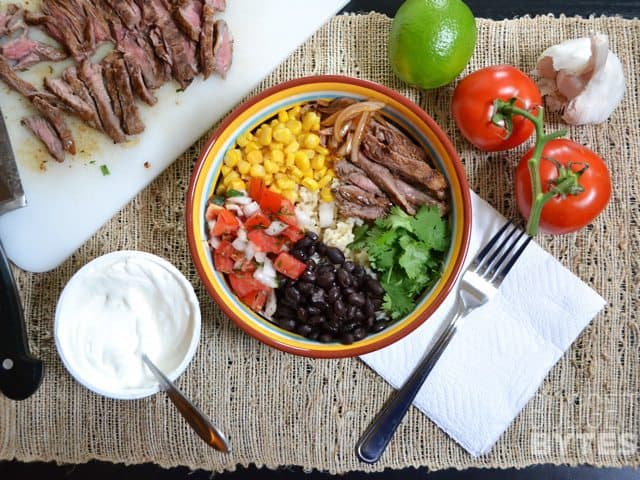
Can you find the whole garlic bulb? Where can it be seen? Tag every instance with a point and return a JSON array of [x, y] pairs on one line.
[[581, 78]]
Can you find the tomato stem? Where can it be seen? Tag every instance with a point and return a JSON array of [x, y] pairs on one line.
[[538, 197]]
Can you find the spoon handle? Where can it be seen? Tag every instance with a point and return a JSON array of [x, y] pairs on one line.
[[192, 414]]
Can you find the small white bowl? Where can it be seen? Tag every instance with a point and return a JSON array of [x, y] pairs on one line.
[[183, 356]]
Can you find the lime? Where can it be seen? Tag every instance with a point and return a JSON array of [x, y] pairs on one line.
[[431, 41]]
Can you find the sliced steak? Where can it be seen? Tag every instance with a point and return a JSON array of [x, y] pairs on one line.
[[187, 14], [74, 103], [121, 93], [137, 81], [355, 194], [207, 61], [8, 76], [70, 75], [350, 209], [349, 173], [218, 5], [396, 152], [55, 118], [91, 75], [127, 11], [12, 20], [134, 45], [418, 197], [385, 180], [223, 48], [43, 130], [112, 89], [27, 52]]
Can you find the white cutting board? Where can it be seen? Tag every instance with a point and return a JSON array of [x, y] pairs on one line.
[[68, 202]]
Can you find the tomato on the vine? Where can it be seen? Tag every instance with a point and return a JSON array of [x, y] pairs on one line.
[[571, 212], [473, 107]]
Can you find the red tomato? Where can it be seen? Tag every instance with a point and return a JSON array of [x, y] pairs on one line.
[[264, 242], [226, 223], [293, 234], [289, 265], [212, 211], [472, 106], [256, 299], [256, 188], [270, 201], [242, 265], [257, 220], [286, 213], [564, 215], [243, 284], [223, 264]]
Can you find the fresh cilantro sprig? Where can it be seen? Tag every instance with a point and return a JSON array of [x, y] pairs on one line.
[[406, 252]]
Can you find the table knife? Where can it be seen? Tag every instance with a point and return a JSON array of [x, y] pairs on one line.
[[20, 372]]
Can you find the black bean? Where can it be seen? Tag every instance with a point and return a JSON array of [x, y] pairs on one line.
[[310, 250], [368, 309], [317, 296], [311, 264], [359, 333], [332, 327], [304, 329], [325, 338], [349, 266], [377, 302], [339, 308], [300, 254], [335, 255], [313, 334], [347, 338], [321, 248], [302, 314], [374, 287], [313, 236], [313, 311], [292, 294], [316, 320], [333, 294], [358, 271], [351, 312], [308, 276], [284, 311], [343, 278], [325, 268], [370, 320], [287, 323], [356, 299], [378, 326], [359, 316], [325, 279], [303, 243], [348, 291]]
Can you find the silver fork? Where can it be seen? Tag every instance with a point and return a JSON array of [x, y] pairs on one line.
[[478, 285]]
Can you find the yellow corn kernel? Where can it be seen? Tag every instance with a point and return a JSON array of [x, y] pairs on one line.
[[309, 153], [283, 116], [251, 147], [292, 147], [285, 183], [237, 184], [277, 156], [220, 189], [283, 135], [270, 166], [309, 121], [255, 157], [308, 173], [243, 167], [275, 189], [310, 183], [331, 173], [244, 139], [264, 134], [276, 146], [296, 172], [231, 176], [302, 161], [321, 150], [324, 181], [290, 159], [317, 162], [311, 140], [326, 195], [290, 195], [318, 174], [268, 179], [273, 123], [257, 171], [295, 126], [232, 157], [225, 170], [294, 112]]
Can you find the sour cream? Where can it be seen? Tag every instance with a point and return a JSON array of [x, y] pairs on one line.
[[119, 306]]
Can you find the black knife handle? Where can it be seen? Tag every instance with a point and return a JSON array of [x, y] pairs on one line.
[[20, 372]]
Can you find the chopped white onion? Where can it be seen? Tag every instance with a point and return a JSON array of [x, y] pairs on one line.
[[249, 251], [326, 212], [234, 208], [260, 256], [242, 234], [211, 224], [304, 220], [214, 242], [239, 244], [266, 275], [271, 305], [268, 267], [240, 200], [237, 265], [276, 228], [250, 208]]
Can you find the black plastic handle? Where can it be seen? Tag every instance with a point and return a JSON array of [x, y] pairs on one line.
[[20, 372]]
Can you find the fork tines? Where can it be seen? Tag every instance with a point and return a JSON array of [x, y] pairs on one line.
[[498, 256]]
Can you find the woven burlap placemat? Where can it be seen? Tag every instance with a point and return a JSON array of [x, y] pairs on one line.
[[279, 409]]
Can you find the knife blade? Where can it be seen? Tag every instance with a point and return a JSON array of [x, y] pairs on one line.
[[20, 372]]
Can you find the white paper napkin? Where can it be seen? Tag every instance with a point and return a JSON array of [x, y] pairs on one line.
[[501, 352]]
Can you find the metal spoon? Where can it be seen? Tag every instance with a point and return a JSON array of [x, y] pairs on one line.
[[192, 414]]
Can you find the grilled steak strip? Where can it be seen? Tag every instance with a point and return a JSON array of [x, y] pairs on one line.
[[74, 103], [418, 197], [207, 62], [28, 52], [187, 14], [137, 81], [350, 209], [128, 12], [392, 150], [8, 76], [223, 49], [112, 89], [54, 116], [91, 75], [382, 177], [349, 173], [355, 194], [70, 75], [129, 117], [43, 130]]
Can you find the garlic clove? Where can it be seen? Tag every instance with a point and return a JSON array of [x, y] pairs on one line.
[[581, 78]]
